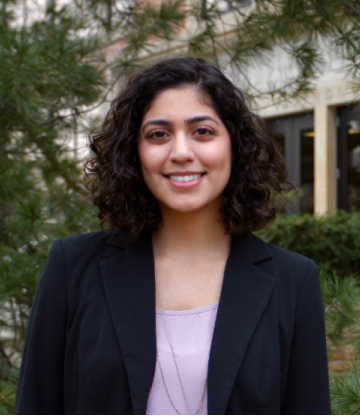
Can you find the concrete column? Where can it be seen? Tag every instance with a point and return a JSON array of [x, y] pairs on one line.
[[325, 159]]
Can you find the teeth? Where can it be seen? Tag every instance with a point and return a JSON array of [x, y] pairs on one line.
[[186, 178]]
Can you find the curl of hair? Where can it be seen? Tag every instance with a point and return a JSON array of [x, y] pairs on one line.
[[114, 175]]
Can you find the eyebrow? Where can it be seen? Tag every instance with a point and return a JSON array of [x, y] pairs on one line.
[[189, 121], [156, 123]]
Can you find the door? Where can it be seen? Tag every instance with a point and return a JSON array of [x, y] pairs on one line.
[[295, 137], [348, 147]]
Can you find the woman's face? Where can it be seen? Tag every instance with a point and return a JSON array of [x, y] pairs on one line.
[[185, 151]]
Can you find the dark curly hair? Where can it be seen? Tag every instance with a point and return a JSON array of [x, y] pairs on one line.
[[114, 173]]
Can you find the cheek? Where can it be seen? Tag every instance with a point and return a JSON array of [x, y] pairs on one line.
[[145, 158], [227, 153], [151, 159], [218, 157]]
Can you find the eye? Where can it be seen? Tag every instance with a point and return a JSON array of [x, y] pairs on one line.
[[204, 131], [156, 134]]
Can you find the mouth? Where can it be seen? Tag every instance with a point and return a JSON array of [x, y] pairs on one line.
[[185, 178]]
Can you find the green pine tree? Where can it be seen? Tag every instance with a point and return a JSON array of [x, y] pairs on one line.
[[54, 77]]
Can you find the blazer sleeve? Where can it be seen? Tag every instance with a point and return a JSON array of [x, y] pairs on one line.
[[307, 385], [40, 388]]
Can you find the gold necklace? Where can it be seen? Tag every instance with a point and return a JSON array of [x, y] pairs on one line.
[[177, 369]]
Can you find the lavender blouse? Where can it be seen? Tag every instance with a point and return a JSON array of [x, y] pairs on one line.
[[191, 333]]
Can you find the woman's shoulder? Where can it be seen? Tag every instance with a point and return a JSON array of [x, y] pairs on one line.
[[89, 241], [75, 261], [86, 248], [287, 267], [284, 256], [293, 271], [260, 250]]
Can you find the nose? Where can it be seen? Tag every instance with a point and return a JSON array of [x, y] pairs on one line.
[[182, 150]]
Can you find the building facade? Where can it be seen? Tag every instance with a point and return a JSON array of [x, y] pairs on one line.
[[320, 137], [319, 134]]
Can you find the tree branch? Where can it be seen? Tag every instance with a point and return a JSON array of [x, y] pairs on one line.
[[351, 7], [3, 353], [355, 412]]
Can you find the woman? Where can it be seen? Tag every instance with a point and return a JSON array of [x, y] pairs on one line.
[[179, 308]]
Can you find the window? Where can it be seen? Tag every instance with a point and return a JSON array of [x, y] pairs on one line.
[[295, 138], [349, 158]]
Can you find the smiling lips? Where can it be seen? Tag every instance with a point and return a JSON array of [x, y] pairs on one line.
[[185, 180]]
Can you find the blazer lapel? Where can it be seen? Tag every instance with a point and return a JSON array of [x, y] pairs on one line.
[[245, 293], [129, 284]]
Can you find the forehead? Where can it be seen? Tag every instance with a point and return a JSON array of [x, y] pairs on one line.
[[182, 101]]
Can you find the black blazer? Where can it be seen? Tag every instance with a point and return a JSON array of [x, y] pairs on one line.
[[91, 343]]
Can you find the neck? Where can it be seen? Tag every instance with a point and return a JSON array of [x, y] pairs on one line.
[[193, 232]]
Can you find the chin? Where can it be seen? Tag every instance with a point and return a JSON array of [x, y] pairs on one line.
[[191, 205], [190, 208], [184, 209]]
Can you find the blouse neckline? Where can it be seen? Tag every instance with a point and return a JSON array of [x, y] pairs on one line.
[[195, 311]]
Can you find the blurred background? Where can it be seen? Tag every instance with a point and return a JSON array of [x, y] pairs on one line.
[[298, 63]]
